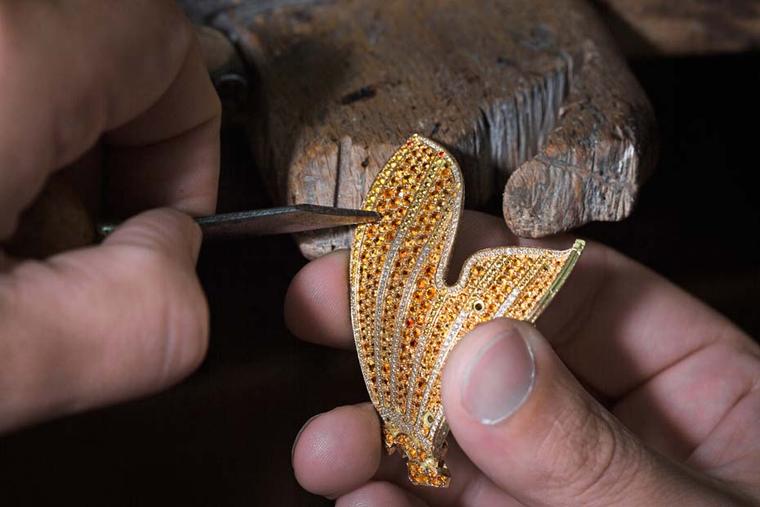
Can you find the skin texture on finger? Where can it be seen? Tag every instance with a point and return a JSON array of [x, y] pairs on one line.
[[340, 451], [379, 494], [636, 323], [169, 156], [102, 324], [732, 449], [316, 304], [91, 66], [324, 442], [555, 445], [676, 410]]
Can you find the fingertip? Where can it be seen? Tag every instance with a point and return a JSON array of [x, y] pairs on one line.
[[106, 323], [153, 256], [182, 173], [170, 154], [317, 302], [338, 451], [166, 230], [380, 494]]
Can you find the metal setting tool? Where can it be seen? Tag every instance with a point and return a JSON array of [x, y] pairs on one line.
[[263, 222]]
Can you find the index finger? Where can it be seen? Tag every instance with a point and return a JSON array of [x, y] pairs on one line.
[[95, 66]]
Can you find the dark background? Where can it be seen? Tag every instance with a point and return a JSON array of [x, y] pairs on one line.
[[223, 436]]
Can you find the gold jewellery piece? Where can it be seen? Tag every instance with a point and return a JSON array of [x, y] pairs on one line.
[[406, 319]]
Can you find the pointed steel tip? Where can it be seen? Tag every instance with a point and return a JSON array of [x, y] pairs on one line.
[[366, 217]]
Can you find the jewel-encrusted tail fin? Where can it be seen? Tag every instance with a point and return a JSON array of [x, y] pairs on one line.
[[424, 468], [405, 317]]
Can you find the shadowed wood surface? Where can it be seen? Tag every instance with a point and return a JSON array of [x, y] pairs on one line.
[[530, 89], [642, 27]]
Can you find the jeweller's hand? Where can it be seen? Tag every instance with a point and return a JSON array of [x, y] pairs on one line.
[[673, 416], [125, 80]]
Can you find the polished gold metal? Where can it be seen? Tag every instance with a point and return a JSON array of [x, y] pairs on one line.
[[406, 318]]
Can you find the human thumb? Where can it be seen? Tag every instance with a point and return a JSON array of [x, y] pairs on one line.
[[532, 429]]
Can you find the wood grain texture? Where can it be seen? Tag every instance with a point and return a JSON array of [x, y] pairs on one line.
[[524, 93], [685, 27]]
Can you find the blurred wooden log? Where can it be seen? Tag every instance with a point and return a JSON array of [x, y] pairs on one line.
[[685, 27], [527, 93]]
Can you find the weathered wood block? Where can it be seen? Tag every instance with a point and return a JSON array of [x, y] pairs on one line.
[[530, 96]]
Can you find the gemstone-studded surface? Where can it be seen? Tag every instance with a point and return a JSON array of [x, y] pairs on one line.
[[406, 319]]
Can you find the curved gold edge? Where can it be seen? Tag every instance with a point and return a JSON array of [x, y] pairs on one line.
[[574, 254]]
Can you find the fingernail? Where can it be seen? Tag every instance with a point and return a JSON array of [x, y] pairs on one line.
[[298, 436], [499, 378]]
